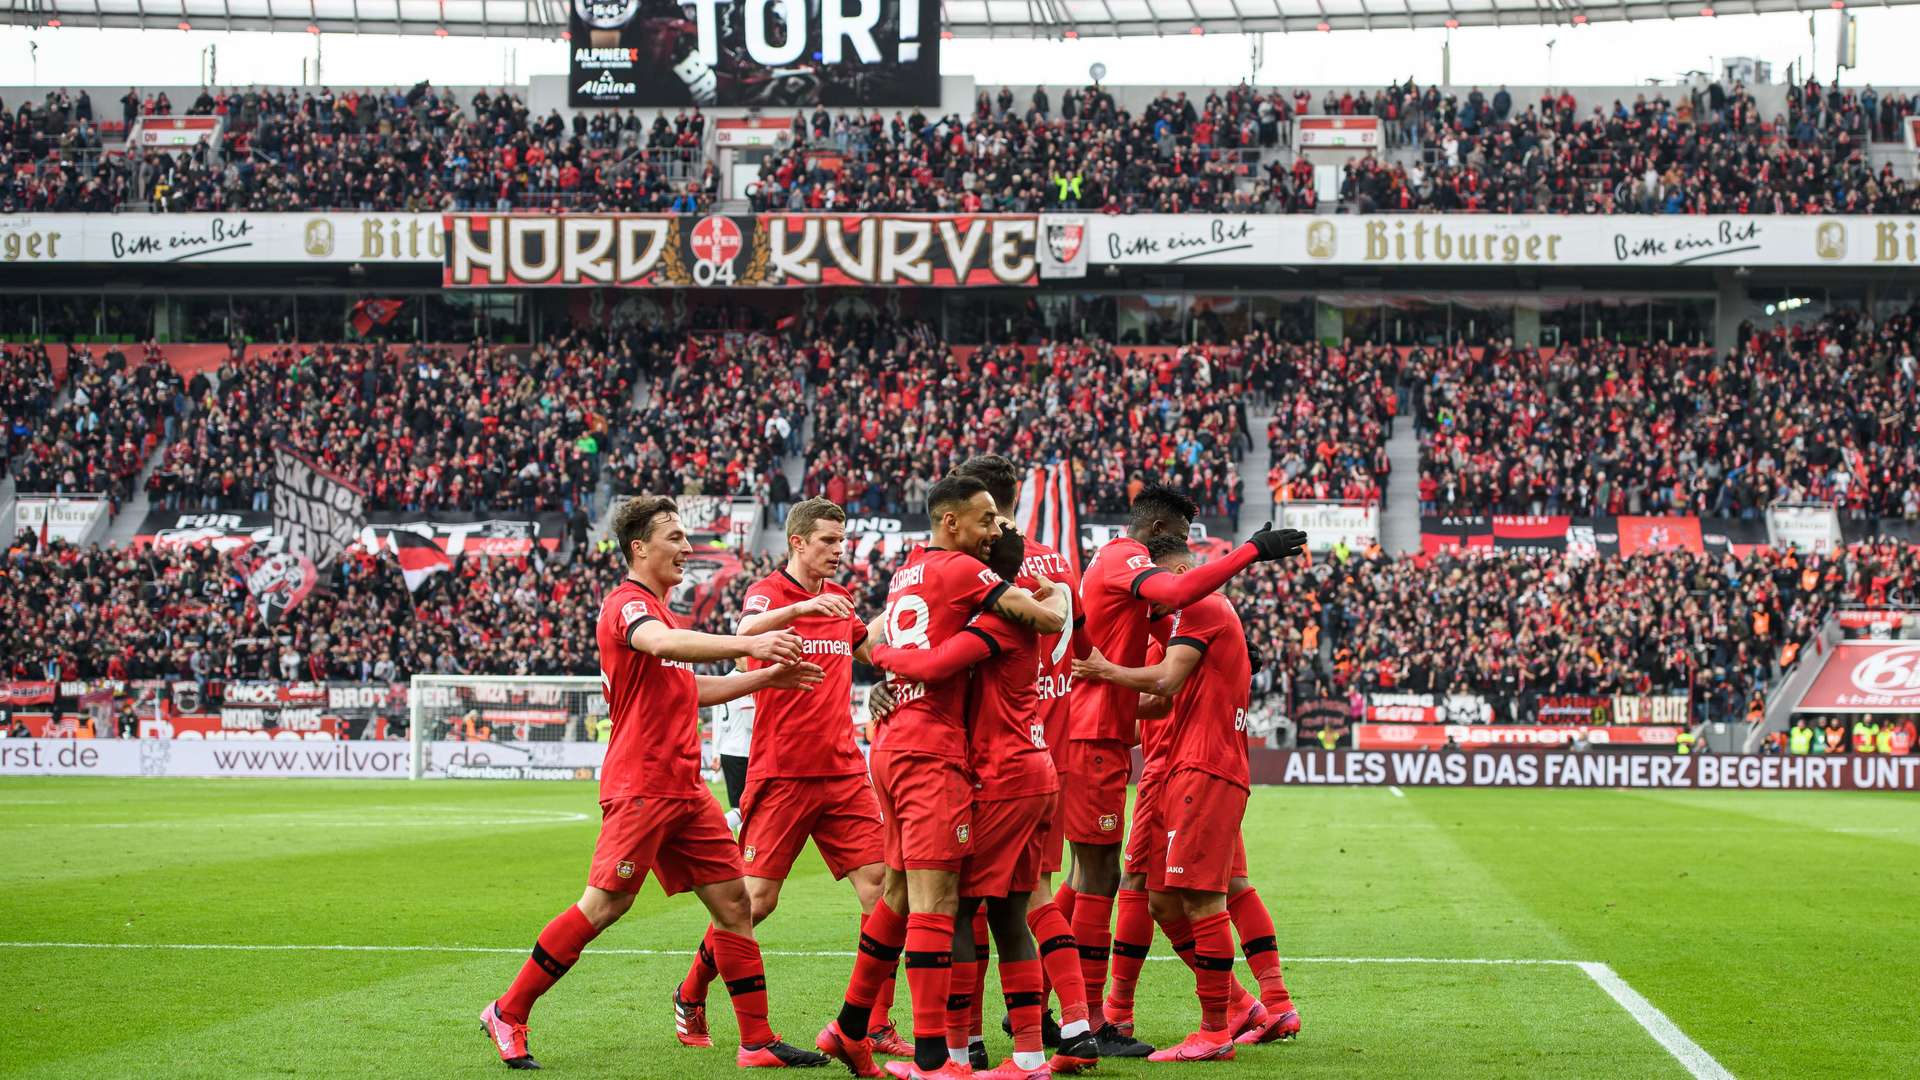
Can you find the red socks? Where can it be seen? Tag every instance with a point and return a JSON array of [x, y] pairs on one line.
[[1212, 969], [1180, 933], [883, 1005], [1132, 938], [1255, 926], [738, 959], [1020, 985], [870, 989], [929, 956], [961, 994], [693, 989], [556, 950], [1060, 960], [984, 957], [1091, 915]]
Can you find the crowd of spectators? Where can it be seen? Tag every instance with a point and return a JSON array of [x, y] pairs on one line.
[[1708, 149], [1711, 151], [1333, 412], [415, 150], [891, 418], [474, 429], [1179, 154], [186, 613], [723, 410], [26, 394], [1511, 625], [1828, 412], [116, 413]]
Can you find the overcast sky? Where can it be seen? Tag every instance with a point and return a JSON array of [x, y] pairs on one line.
[[1608, 54]]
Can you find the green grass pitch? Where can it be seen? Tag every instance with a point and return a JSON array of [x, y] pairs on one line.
[[1775, 930]]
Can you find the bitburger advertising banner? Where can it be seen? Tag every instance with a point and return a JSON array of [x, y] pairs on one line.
[[755, 53], [742, 251]]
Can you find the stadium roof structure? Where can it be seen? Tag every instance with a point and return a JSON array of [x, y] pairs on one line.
[[960, 18]]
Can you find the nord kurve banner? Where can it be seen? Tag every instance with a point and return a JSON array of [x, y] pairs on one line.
[[745, 251]]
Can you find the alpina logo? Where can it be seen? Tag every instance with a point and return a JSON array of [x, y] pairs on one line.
[[606, 85]]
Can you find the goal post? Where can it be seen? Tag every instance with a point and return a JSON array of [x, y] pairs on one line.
[[506, 727]]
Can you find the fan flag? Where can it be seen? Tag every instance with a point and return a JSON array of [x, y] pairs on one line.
[[368, 314], [419, 557], [1047, 513]]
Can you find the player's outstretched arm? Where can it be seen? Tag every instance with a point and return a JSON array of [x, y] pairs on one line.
[[1163, 679], [719, 689], [1153, 707], [954, 655], [828, 604], [1178, 590], [1046, 616], [655, 638]]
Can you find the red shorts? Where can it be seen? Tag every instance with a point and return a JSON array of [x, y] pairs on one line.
[[682, 842], [778, 814], [1094, 790], [926, 804], [1200, 846], [1006, 846], [1144, 832], [1050, 839]]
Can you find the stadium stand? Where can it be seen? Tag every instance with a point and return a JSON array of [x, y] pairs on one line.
[[886, 425], [412, 150], [1511, 625], [1826, 412], [26, 393], [184, 613], [476, 428], [116, 413], [1333, 411]]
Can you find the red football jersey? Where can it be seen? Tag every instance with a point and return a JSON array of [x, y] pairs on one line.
[[1054, 678], [1117, 626], [1209, 723], [655, 705], [1007, 742], [807, 732], [931, 599], [1153, 733]]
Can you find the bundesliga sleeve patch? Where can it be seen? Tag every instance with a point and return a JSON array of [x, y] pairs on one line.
[[632, 612], [755, 603], [1139, 562], [989, 577]]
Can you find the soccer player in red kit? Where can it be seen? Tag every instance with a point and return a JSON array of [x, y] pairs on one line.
[[805, 776], [1118, 588], [1059, 957], [1014, 796], [656, 815], [919, 770], [1203, 799], [1250, 1020]]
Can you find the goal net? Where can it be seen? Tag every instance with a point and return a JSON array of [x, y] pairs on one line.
[[507, 727]]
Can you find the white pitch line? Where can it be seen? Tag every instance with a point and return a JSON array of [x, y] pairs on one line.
[[1397, 793], [846, 953], [1664, 1031]]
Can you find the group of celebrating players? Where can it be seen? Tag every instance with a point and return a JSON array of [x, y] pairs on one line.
[[1015, 695]]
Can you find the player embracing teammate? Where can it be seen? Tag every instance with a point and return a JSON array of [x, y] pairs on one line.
[[920, 770], [657, 816], [1117, 593]]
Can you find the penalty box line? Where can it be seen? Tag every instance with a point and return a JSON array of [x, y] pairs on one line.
[[1664, 1031]]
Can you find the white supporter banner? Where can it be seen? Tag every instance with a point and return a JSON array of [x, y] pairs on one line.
[[74, 520], [1490, 241], [234, 238], [1330, 523], [1804, 527], [1063, 246]]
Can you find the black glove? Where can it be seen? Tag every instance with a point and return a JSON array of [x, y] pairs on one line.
[[1274, 543]]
